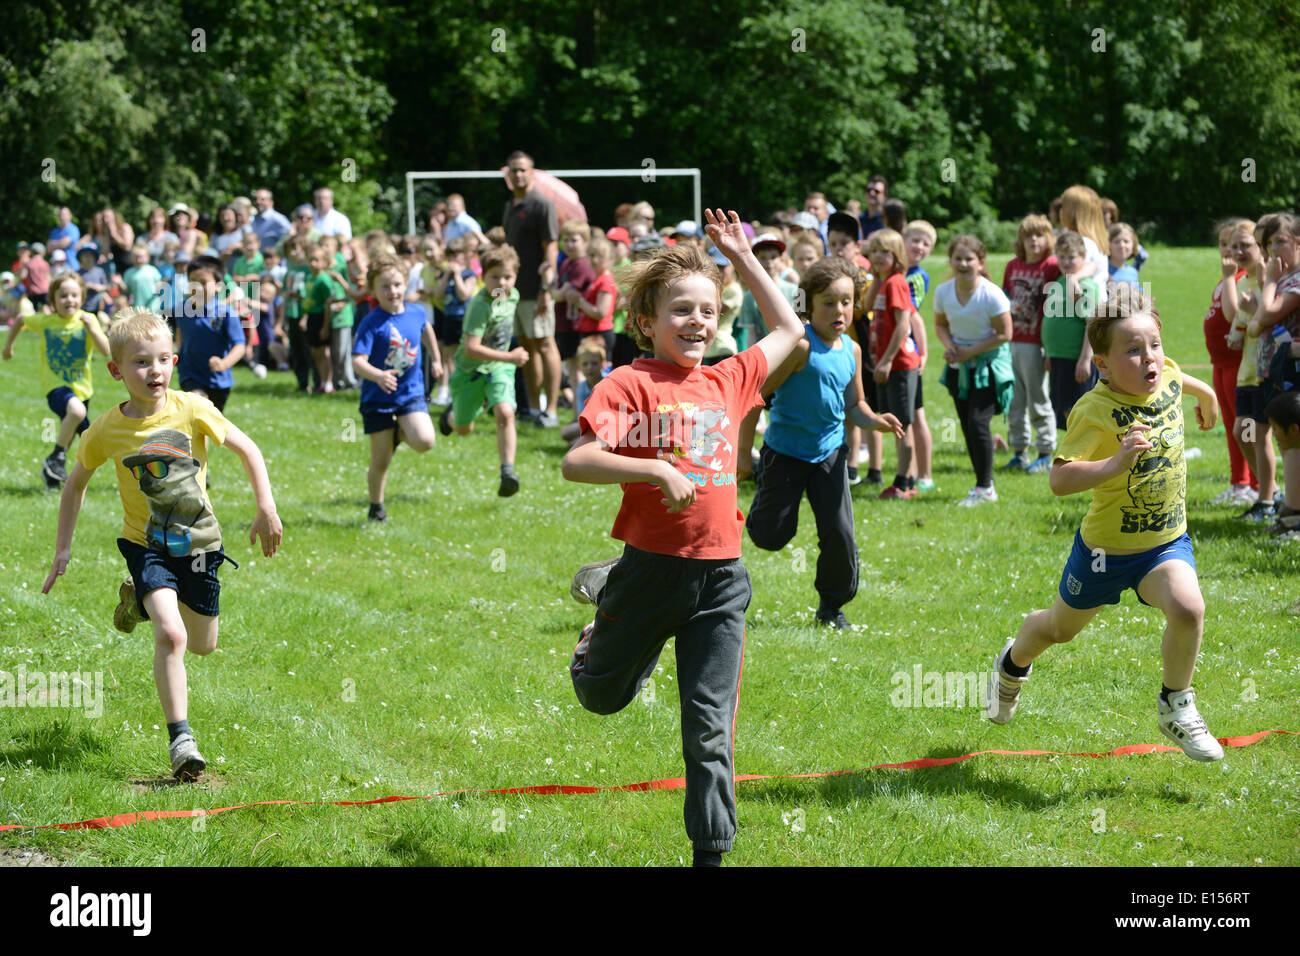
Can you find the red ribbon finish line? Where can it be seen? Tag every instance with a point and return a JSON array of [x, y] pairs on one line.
[[668, 783]]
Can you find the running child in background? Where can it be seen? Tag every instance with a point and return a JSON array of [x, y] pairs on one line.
[[1125, 443], [897, 364], [209, 335], [972, 320], [804, 452], [1233, 299], [386, 354], [158, 440], [665, 428], [1025, 282], [591, 366], [67, 336], [919, 238], [1070, 302], [485, 363]]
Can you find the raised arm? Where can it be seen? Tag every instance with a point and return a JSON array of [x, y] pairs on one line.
[[784, 330]]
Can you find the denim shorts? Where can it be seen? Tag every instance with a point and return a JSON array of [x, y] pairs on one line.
[[192, 577], [1090, 580], [58, 400]]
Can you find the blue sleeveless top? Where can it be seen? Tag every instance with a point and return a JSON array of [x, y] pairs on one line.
[[807, 416]]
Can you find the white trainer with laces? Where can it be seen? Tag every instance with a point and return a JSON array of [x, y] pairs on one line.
[[1002, 693], [1181, 722], [978, 496]]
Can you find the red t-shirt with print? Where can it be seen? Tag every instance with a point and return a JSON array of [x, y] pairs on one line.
[[893, 294], [1025, 284], [689, 417]]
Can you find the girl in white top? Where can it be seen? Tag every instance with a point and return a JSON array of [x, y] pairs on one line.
[[972, 319]]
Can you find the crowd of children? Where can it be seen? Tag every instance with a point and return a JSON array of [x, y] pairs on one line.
[[804, 330]]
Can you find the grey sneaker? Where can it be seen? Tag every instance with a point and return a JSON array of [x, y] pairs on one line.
[[54, 469], [1002, 694], [126, 615], [547, 420], [590, 580], [1181, 722], [187, 762]]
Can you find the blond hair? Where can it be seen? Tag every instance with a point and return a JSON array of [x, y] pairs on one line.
[[647, 283], [924, 228], [1081, 213], [575, 227], [135, 324], [891, 242]]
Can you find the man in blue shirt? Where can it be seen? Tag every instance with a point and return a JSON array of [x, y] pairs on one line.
[[269, 224], [65, 235], [460, 222]]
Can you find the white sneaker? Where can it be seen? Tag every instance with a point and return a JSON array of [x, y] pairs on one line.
[[1246, 496], [187, 762], [259, 371], [1180, 721], [978, 496], [442, 398], [864, 454], [1229, 496], [1002, 693]]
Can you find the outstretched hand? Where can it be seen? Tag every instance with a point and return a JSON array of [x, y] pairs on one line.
[[726, 232]]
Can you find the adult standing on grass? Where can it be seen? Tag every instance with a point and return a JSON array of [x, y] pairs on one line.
[[329, 221], [65, 235], [532, 230], [269, 223]]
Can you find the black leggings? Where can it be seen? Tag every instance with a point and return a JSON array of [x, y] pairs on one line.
[[976, 412]]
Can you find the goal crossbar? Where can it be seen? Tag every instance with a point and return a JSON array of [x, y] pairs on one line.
[[645, 174]]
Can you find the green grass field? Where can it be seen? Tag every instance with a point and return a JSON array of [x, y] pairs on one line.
[[431, 655]]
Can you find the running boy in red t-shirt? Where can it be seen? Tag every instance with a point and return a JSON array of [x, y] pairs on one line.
[[666, 430]]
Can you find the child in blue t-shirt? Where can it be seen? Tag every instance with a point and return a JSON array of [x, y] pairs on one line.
[[1123, 246], [210, 336], [804, 448], [386, 353]]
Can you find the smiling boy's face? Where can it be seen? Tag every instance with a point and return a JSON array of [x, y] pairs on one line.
[[686, 322]]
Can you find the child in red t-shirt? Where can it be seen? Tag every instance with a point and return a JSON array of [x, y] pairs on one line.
[[593, 310], [1225, 361], [666, 430], [897, 363]]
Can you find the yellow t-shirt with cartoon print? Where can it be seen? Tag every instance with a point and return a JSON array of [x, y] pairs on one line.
[[66, 349], [161, 466], [1146, 506]]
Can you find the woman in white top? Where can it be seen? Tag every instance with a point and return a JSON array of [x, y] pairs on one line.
[[972, 319]]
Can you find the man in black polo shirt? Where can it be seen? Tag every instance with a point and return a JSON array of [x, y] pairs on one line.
[[532, 230]]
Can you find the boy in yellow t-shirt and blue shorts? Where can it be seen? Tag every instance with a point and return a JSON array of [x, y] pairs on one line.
[[171, 541], [1125, 442]]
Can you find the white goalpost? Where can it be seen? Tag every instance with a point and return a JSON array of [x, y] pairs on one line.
[[646, 174]]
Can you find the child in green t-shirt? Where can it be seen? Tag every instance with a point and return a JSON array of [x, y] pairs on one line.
[[1068, 304], [485, 363]]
